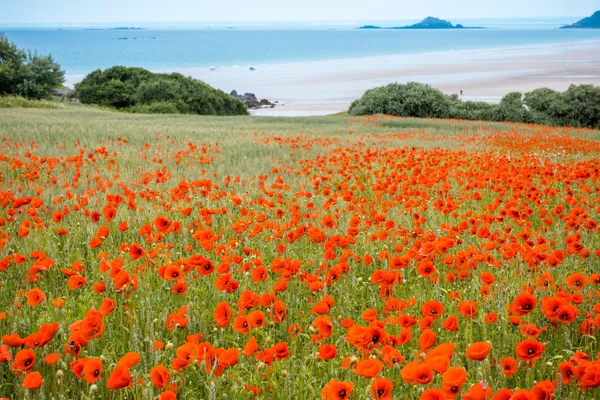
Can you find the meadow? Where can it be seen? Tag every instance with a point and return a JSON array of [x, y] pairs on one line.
[[329, 257]]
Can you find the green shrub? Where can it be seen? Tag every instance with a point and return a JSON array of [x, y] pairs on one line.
[[159, 107], [579, 106], [403, 100], [29, 75], [512, 109], [139, 90], [473, 110]]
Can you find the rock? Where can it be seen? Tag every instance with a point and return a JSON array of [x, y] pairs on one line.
[[251, 100], [250, 97]]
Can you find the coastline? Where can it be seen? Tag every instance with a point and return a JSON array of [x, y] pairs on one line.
[[325, 87]]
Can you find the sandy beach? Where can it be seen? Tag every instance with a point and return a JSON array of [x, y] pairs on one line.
[[318, 88]]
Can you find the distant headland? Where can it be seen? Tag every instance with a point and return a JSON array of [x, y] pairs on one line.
[[427, 23], [592, 22]]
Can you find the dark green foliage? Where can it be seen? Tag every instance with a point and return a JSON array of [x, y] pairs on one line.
[[512, 109], [29, 75], [579, 106], [406, 100], [141, 91], [473, 110]]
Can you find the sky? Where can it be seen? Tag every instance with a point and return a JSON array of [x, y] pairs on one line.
[[102, 11]]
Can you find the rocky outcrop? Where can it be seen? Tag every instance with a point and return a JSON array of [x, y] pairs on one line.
[[252, 101]]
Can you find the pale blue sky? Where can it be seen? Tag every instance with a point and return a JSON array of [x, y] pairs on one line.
[[95, 11]]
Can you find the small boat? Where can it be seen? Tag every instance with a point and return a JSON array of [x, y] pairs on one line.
[[252, 69], [213, 68]]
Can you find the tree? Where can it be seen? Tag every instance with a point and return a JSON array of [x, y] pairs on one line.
[[27, 74]]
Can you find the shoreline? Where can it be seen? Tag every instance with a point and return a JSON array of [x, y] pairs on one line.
[[329, 86]]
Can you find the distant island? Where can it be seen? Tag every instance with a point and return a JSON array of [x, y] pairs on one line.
[[427, 23], [121, 28], [592, 22]]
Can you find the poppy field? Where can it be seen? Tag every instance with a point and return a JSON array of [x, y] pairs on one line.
[[146, 256]]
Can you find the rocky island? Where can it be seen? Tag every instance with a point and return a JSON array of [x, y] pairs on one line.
[[427, 23], [592, 22]]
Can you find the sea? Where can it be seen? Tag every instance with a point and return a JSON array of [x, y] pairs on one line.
[[165, 47]]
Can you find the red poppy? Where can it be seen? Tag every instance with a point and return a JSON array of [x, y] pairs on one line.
[[529, 350], [33, 381], [381, 389], [336, 390], [478, 351]]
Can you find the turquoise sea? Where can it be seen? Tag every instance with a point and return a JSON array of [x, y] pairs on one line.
[[164, 48]]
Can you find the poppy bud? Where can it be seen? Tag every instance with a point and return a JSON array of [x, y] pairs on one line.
[[102, 358], [155, 321], [169, 346], [284, 373], [59, 374], [93, 388]]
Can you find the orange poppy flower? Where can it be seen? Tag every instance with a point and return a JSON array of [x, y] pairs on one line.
[[529, 350], [433, 309], [433, 394], [451, 323], [52, 358], [368, 368], [222, 314], [33, 381], [76, 282], [523, 304], [468, 308], [256, 319], [509, 366], [35, 296], [452, 381], [327, 352], [119, 378], [24, 361], [427, 339], [241, 325], [4, 354], [92, 370], [381, 389], [478, 351], [336, 390], [160, 376], [251, 347]]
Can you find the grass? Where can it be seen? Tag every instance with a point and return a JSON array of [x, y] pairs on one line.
[[471, 199]]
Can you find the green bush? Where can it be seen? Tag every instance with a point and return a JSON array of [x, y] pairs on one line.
[[139, 90], [512, 109], [473, 110], [579, 106], [403, 100], [159, 107], [29, 75]]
